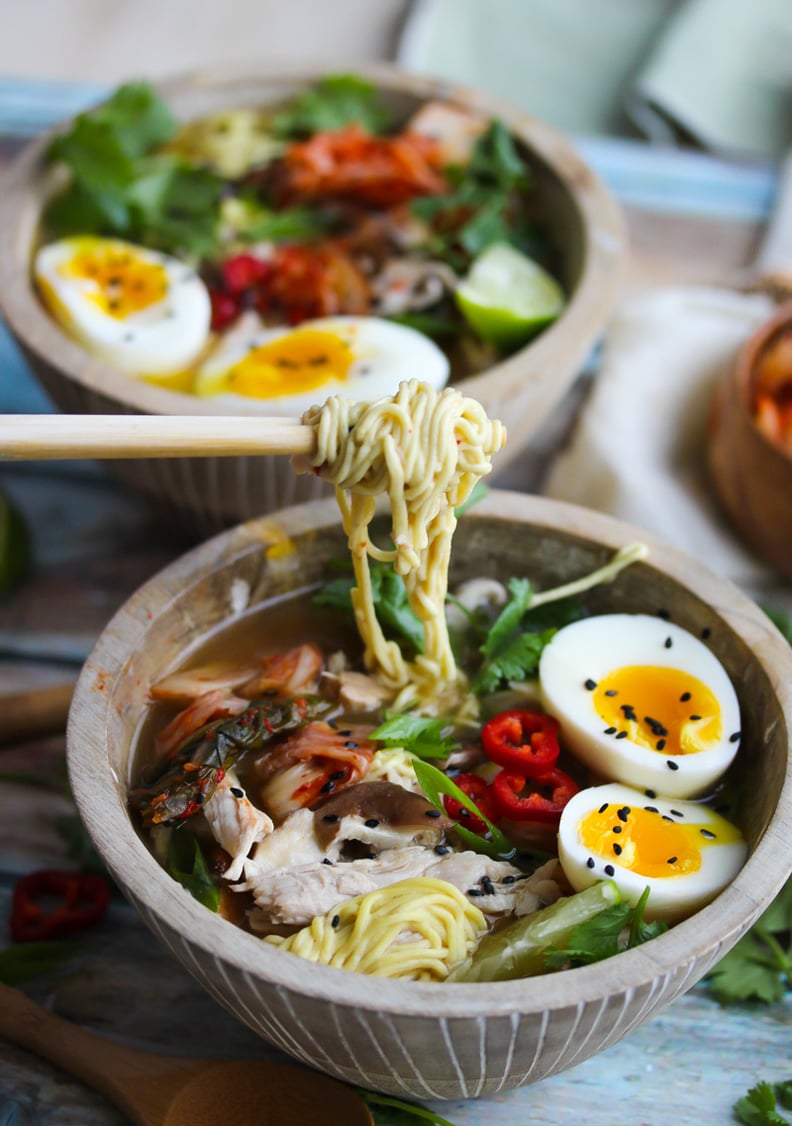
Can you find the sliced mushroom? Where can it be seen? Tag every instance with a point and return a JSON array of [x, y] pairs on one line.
[[406, 285], [399, 815]]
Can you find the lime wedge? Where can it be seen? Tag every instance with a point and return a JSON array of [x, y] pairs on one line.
[[507, 297], [14, 546]]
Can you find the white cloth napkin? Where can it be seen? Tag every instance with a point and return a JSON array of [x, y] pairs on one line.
[[638, 448]]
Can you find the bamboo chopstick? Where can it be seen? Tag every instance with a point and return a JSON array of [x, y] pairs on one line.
[[35, 437]]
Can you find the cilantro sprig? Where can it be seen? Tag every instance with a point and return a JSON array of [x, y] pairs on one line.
[[120, 185], [613, 930], [389, 595], [336, 100], [420, 735], [759, 967], [508, 653], [759, 1107]]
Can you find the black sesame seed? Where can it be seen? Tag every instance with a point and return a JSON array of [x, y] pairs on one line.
[[705, 633], [661, 744], [676, 813], [371, 822], [345, 734], [200, 799], [622, 735], [611, 692], [336, 919], [683, 699], [590, 684], [708, 834], [486, 883], [665, 615], [328, 861], [616, 829], [668, 643], [432, 813], [609, 870], [441, 850], [330, 818], [350, 745], [474, 891], [651, 809], [617, 848], [602, 808], [590, 862], [650, 793], [328, 787], [509, 880], [623, 813], [694, 718], [629, 711], [672, 860], [671, 764], [235, 790], [667, 818], [733, 738], [337, 775], [609, 731]]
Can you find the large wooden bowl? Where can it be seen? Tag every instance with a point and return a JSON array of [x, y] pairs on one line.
[[432, 1040], [751, 474], [585, 223]]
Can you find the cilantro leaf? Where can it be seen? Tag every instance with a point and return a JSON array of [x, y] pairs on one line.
[[136, 115], [603, 935], [335, 101], [397, 1112], [784, 1093], [389, 595], [758, 1107], [186, 864], [418, 734], [509, 618], [434, 784], [759, 967], [517, 660]]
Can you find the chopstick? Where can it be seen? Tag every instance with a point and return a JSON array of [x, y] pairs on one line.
[[34, 712], [36, 437]]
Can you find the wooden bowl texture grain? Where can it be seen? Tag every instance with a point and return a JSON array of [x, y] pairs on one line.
[[423, 1039], [584, 220], [752, 475]]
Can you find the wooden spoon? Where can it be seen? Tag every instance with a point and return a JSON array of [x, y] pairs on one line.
[[156, 1090]]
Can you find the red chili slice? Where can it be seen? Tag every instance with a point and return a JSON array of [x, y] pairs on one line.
[[478, 791], [49, 904], [532, 799], [523, 742]]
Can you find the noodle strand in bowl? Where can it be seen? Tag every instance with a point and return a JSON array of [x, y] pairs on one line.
[[426, 450], [417, 929]]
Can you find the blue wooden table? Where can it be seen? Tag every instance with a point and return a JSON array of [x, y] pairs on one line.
[[691, 219]]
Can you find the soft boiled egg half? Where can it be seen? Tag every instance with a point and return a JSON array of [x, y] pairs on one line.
[[642, 701], [289, 370], [683, 851], [144, 313]]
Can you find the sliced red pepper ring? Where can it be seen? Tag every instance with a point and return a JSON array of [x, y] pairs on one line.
[[532, 799], [50, 903], [477, 789], [522, 741]]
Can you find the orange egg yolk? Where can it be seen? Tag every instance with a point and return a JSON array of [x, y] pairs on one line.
[[300, 361], [648, 842], [123, 282], [663, 709]]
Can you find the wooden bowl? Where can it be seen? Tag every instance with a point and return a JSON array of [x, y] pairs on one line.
[[585, 221], [751, 474], [410, 1038]]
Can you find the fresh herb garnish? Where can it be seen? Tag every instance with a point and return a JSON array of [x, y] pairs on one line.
[[397, 1112], [120, 186], [477, 494], [186, 864], [760, 1106], [417, 734], [389, 595], [292, 224], [604, 935], [335, 101], [25, 960], [759, 967], [782, 621], [434, 784], [509, 654]]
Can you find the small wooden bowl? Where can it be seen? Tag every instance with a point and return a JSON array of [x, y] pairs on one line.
[[751, 474], [416, 1038], [584, 219]]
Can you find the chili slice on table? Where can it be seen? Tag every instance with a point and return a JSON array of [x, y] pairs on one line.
[[477, 789], [532, 799], [522, 741], [50, 903]]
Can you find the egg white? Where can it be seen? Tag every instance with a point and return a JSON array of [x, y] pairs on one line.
[[383, 355], [163, 338], [722, 853], [586, 652]]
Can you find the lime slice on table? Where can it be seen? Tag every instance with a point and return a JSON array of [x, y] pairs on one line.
[[507, 297], [14, 546]]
